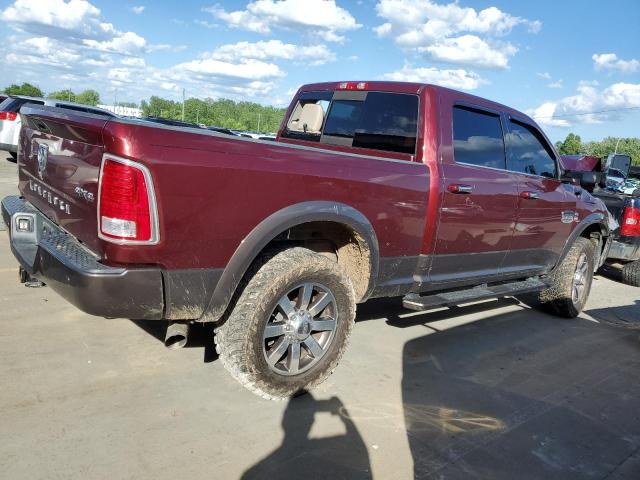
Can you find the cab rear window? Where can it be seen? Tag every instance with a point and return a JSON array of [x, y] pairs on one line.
[[371, 120]]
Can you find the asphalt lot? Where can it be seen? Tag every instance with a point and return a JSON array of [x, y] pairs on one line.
[[495, 390]]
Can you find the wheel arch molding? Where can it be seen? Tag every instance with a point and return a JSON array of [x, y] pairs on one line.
[[275, 225]]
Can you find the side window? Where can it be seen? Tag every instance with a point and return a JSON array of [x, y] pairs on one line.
[[378, 121], [529, 152], [305, 122], [477, 138]]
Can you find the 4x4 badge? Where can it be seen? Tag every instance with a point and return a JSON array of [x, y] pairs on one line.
[[43, 154]]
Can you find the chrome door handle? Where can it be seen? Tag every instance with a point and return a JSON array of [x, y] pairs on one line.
[[530, 195], [458, 188]]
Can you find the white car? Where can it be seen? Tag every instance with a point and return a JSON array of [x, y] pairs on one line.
[[10, 122]]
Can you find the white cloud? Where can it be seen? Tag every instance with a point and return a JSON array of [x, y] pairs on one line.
[[317, 18], [556, 84], [451, 33], [273, 49], [128, 43], [610, 61], [471, 50], [137, 10], [544, 75], [458, 78], [247, 69], [589, 105]]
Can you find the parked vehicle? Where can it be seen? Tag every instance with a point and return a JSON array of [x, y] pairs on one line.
[[3, 98], [623, 204], [404, 189], [10, 121]]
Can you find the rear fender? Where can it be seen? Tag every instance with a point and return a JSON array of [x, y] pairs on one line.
[[277, 223]]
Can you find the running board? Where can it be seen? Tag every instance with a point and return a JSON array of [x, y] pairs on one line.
[[413, 301]]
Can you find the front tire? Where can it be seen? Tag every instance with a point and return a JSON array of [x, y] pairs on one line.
[[289, 326], [631, 273], [570, 282]]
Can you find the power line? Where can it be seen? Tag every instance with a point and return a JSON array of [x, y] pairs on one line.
[[590, 113]]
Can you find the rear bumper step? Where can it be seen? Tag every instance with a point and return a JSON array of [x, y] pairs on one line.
[[417, 302], [53, 256]]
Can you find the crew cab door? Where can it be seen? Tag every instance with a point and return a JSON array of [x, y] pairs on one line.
[[479, 197], [546, 206]]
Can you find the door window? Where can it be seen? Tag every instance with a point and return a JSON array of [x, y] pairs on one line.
[[529, 152], [477, 138]]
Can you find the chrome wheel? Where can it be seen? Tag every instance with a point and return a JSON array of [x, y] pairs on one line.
[[300, 329], [580, 279]]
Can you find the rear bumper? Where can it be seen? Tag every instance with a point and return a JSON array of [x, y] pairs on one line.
[[625, 248], [53, 256]]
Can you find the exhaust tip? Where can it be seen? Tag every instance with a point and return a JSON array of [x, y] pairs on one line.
[[177, 335]]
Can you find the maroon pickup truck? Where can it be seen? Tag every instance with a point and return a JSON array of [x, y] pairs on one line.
[[372, 189]]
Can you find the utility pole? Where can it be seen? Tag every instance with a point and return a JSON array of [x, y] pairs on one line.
[[183, 104], [69, 93], [258, 121]]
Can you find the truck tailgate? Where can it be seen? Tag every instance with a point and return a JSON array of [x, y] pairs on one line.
[[59, 165]]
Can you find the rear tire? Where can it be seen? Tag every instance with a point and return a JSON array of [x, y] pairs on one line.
[[570, 282], [272, 342], [631, 273]]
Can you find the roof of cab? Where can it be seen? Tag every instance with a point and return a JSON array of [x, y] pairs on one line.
[[418, 88]]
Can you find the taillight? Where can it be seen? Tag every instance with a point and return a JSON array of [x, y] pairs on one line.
[[630, 222], [126, 203], [10, 116]]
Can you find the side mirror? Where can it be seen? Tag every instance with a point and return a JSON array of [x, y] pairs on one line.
[[586, 180]]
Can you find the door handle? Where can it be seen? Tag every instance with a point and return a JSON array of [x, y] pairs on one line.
[[458, 188], [530, 195]]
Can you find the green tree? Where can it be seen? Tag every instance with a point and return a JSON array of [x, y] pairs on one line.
[[572, 145], [628, 146], [88, 97], [24, 89], [65, 95]]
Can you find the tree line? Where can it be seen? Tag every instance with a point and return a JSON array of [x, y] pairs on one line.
[[86, 97], [573, 145], [222, 113]]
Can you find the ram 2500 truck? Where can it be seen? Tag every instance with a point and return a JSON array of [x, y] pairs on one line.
[[371, 189]]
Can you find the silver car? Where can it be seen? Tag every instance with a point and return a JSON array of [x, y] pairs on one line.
[[10, 118]]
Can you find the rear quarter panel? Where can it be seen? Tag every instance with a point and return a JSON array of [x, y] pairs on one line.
[[213, 190]]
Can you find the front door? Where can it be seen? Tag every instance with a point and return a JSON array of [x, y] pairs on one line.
[[547, 207]]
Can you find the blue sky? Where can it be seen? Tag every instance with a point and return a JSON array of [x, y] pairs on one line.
[[573, 65]]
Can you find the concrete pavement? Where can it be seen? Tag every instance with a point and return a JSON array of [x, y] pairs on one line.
[[495, 390]]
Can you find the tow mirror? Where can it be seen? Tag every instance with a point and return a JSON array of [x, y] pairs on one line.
[[586, 180]]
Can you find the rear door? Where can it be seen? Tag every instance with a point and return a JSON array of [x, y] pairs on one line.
[[546, 208], [479, 199]]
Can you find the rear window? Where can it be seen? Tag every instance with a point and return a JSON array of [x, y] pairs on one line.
[[381, 121], [372, 120], [14, 104], [477, 138]]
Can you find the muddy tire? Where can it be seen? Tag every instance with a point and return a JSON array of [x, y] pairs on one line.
[[570, 282], [290, 324], [631, 273]]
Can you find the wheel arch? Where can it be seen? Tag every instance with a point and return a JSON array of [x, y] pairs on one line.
[[276, 226], [593, 225]]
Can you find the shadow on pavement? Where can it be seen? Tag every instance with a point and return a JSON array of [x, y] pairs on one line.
[[522, 395], [627, 316], [336, 457]]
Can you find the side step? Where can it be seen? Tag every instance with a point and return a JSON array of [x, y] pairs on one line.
[[413, 301]]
